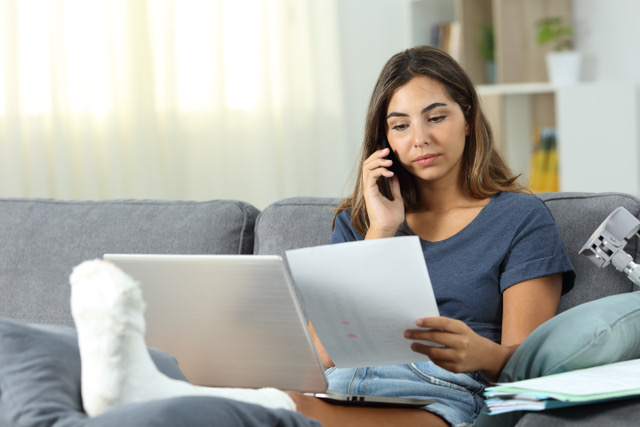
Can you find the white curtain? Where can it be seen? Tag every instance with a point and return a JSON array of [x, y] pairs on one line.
[[177, 99]]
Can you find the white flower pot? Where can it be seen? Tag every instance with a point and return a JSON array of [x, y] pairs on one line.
[[563, 67]]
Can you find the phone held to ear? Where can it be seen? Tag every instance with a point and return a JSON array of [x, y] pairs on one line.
[[385, 187]]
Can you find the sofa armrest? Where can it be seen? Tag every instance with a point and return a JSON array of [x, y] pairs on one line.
[[578, 215]]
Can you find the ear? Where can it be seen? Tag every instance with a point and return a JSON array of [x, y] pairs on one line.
[[467, 129]]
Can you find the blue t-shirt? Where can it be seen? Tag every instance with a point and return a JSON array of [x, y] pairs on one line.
[[514, 238]]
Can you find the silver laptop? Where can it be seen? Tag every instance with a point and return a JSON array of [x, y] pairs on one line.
[[233, 321]]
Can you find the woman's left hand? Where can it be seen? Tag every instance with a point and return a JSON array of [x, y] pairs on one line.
[[460, 349]]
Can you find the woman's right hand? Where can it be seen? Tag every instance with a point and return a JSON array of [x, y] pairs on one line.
[[385, 216]]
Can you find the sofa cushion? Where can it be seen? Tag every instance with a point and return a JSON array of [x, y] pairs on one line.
[[42, 240], [296, 222], [293, 223], [40, 386]]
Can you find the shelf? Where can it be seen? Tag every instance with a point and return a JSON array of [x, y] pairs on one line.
[[515, 89]]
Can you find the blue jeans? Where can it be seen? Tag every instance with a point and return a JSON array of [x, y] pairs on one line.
[[457, 396]]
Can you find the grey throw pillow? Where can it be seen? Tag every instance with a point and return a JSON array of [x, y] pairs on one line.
[[40, 386], [40, 372]]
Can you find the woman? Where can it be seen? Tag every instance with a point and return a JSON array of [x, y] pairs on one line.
[[495, 256]]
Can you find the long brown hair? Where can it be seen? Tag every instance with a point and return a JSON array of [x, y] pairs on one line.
[[485, 172]]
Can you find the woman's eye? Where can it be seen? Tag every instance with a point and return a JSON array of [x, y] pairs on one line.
[[400, 127], [437, 119]]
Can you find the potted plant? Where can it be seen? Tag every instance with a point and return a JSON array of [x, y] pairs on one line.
[[486, 49], [563, 62]]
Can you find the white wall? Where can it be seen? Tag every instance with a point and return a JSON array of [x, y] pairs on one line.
[[608, 35], [370, 32]]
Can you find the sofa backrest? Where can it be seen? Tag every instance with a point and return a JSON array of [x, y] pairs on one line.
[[42, 240], [306, 221], [293, 223]]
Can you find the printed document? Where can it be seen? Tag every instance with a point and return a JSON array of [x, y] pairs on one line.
[[598, 382], [361, 296], [583, 386]]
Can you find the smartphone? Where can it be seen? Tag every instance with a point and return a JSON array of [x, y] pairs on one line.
[[385, 187]]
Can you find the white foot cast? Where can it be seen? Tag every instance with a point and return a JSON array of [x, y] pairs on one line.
[[108, 310]]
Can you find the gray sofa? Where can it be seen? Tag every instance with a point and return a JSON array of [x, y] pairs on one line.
[[41, 240]]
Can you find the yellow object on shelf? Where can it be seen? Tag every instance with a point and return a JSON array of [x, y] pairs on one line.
[[544, 162]]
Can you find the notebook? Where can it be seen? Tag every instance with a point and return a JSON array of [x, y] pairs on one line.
[[233, 321]]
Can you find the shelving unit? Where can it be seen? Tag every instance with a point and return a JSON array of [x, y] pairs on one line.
[[518, 57], [515, 89], [515, 109], [521, 100], [598, 124]]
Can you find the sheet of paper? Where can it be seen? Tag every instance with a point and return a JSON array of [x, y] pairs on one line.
[[362, 296], [599, 382]]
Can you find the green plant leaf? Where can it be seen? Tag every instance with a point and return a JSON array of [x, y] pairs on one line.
[[552, 30]]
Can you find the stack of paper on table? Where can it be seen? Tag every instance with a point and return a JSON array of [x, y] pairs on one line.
[[584, 386]]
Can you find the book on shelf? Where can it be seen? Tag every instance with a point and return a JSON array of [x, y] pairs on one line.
[[614, 381], [446, 36], [543, 175]]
